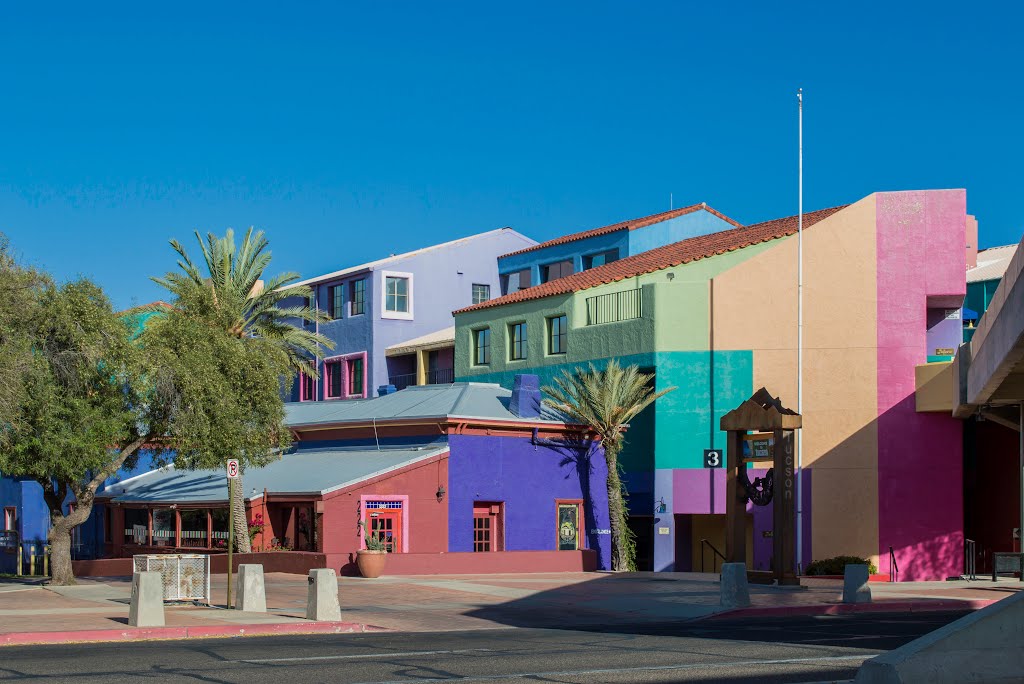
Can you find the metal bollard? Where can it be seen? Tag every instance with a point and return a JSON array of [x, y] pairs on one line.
[[32, 560], [46, 561], [21, 559]]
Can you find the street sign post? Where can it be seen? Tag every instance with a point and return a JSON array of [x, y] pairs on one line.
[[233, 474]]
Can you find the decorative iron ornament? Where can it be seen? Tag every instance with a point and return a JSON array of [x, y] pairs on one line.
[[762, 489]]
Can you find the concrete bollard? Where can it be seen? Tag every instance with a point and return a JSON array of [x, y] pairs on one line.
[[251, 589], [322, 595], [734, 590], [855, 584], [147, 607]]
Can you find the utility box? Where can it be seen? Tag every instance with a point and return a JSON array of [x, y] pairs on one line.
[[186, 577]]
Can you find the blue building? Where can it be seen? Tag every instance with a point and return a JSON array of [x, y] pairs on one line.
[[391, 319], [563, 256]]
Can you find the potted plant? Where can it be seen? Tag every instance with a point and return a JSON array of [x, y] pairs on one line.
[[370, 560]]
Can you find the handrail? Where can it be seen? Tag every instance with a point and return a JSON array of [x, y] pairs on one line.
[[894, 570], [715, 552], [970, 559]]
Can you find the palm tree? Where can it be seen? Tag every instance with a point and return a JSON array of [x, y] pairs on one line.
[[232, 296], [605, 401]]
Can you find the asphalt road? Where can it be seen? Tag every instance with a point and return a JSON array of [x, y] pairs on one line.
[[804, 649]]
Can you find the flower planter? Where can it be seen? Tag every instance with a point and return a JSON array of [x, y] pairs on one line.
[[371, 563]]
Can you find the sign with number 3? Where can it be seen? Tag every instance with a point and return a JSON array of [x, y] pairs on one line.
[[713, 458]]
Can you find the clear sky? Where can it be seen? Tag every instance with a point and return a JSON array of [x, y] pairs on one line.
[[349, 131]]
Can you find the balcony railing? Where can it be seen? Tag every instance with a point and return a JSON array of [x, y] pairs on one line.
[[402, 381], [441, 376], [615, 306], [438, 376]]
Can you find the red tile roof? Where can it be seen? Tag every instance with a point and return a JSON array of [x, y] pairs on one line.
[[625, 225], [691, 249]]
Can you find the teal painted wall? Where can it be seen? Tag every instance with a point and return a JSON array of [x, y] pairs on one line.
[[687, 419], [979, 295]]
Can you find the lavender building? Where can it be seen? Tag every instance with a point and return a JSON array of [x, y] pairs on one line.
[[391, 318]]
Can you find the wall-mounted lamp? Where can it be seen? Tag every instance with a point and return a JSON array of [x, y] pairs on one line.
[[660, 508], [440, 494]]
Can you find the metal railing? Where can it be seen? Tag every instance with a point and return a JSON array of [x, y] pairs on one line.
[[970, 560], [715, 553], [894, 570], [441, 376], [615, 306], [402, 381]]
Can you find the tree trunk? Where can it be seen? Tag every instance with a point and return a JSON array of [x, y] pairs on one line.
[[61, 572], [242, 544], [623, 547], [60, 555]]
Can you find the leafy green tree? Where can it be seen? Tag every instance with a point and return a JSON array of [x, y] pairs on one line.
[[229, 294], [605, 401], [87, 406], [97, 394], [18, 309]]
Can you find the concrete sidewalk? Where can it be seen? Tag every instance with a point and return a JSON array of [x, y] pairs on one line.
[[445, 603]]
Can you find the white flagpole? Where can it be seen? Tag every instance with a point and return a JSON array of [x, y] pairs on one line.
[[800, 336]]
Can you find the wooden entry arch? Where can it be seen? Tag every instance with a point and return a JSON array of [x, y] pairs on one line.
[[762, 413]]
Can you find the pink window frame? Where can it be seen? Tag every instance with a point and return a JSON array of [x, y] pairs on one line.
[[329, 368], [342, 361], [404, 498]]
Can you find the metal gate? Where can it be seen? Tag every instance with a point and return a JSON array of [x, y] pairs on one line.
[[186, 577]]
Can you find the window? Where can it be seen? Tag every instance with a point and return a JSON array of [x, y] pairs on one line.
[[355, 377], [600, 259], [336, 300], [193, 528], [481, 293], [482, 346], [10, 518], [334, 379], [136, 526], [397, 295], [219, 522], [488, 527], [517, 334], [559, 269], [358, 297], [307, 387], [165, 527], [557, 335], [513, 282]]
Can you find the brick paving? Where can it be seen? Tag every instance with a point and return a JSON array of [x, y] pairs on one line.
[[444, 603]]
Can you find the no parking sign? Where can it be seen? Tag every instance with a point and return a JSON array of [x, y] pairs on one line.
[[233, 469]]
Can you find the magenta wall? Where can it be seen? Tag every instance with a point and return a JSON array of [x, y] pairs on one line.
[[920, 455]]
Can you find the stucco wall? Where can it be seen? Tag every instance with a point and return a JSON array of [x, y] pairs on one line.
[[921, 237], [756, 308], [427, 518], [528, 479]]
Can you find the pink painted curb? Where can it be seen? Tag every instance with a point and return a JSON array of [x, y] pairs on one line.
[[850, 608], [197, 632]]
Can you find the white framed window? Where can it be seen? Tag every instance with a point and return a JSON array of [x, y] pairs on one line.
[[396, 295]]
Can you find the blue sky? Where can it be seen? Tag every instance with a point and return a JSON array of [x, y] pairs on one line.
[[349, 131]]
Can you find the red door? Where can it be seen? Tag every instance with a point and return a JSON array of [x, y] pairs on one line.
[[386, 525]]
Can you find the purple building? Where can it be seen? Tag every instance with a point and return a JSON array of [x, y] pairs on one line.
[[391, 318]]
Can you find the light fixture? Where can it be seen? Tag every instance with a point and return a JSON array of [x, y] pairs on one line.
[[440, 493], [660, 508]]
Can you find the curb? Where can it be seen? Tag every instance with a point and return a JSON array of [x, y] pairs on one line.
[[851, 608], [196, 632]]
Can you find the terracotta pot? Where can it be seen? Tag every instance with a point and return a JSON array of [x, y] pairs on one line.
[[371, 563]]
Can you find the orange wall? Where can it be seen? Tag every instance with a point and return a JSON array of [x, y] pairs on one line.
[[756, 308]]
